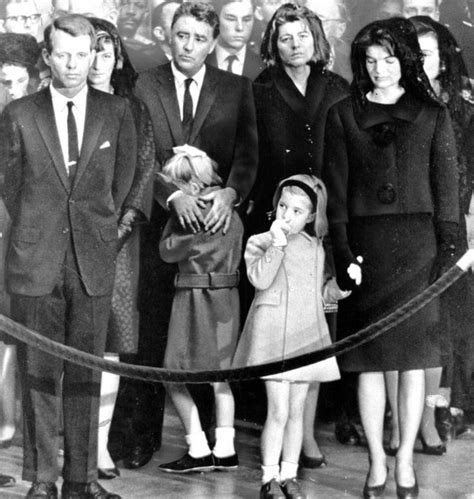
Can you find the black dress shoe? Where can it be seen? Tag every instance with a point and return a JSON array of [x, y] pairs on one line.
[[108, 473], [432, 450], [408, 492], [371, 491], [91, 490], [292, 489], [6, 481], [271, 490], [346, 433], [312, 462], [43, 490], [189, 464], [226, 463], [391, 451]]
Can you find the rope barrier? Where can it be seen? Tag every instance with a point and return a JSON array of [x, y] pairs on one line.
[[154, 374]]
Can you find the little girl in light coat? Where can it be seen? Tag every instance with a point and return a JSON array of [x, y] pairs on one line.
[[286, 319]]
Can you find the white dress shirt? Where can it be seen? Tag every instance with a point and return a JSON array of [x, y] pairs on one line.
[[194, 88], [60, 115], [237, 65]]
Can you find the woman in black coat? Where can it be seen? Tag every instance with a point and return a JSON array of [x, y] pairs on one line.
[[292, 98], [391, 173]]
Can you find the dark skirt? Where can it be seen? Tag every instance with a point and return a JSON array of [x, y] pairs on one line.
[[398, 252]]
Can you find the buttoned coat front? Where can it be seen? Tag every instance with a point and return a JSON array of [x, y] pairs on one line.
[[286, 318]]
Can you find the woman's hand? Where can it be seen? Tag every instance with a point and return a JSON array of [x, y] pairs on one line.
[[355, 272]]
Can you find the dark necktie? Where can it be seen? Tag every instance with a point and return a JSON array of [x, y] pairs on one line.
[[187, 110], [73, 143], [230, 60]]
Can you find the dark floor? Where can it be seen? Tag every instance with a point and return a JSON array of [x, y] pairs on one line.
[[447, 477]]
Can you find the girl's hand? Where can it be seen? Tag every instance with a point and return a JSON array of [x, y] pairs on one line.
[[279, 229], [355, 272]]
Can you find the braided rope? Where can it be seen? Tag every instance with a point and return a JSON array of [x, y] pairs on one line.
[[154, 374]]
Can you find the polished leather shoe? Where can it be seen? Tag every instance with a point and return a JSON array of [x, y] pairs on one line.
[[292, 489], [91, 490], [432, 450], [312, 462], [108, 473], [346, 433], [6, 481], [407, 492], [271, 490], [189, 464], [391, 451], [226, 463], [371, 491], [43, 490]]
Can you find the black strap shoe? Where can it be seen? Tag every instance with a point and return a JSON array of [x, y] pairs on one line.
[[189, 464], [91, 490], [43, 490], [292, 489], [226, 463], [271, 490]]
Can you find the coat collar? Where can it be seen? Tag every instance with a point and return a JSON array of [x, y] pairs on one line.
[[307, 105], [406, 109]]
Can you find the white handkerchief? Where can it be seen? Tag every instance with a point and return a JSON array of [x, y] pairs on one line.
[[105, 145]]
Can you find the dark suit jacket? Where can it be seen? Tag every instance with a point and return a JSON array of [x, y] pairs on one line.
[[47, 211], [253, 65], [224, 125]]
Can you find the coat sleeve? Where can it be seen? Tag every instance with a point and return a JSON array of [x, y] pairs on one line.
[[126, 158], [11, 160], [175, 243], [263, 261], [244, 165], [444, 170]]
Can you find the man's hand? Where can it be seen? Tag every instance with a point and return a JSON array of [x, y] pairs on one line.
[[187, 211], [223, 201]]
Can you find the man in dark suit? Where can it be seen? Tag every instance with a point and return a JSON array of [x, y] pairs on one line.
[[232, 53], [70, 162], [219, 118]]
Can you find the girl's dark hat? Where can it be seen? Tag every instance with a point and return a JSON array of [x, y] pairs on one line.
[[19, 48]]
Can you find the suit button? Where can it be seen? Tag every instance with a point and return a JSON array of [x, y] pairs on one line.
[[65, 230], [386, 194]]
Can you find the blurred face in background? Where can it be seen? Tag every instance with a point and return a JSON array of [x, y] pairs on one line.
[[94, 8], [131, 15], [389, 8], [24, 17], [330, 14], [14, 79], [236, 23], [265, 10], [421, 8], [163, 32]]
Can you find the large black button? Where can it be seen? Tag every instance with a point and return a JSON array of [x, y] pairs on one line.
[[386, 194]]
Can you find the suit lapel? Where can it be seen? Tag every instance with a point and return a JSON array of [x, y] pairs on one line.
[[206, 99], [169, 101], [46, 123], [92, 127]]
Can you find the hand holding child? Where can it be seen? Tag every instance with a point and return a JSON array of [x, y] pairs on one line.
[[355, 272], [188, 212], [279, 230]]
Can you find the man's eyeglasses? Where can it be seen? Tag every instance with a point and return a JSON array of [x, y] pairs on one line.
[[34, 18]]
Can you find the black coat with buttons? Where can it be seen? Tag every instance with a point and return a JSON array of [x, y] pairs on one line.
[[291, 129]]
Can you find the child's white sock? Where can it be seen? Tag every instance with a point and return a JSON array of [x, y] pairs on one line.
[[271, 472], [288, 470], [224, 442], [198, 446]]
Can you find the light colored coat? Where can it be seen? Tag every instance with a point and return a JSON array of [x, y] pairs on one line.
[[286, 318]]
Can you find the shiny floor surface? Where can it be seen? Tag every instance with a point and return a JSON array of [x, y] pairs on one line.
[[447, 477]]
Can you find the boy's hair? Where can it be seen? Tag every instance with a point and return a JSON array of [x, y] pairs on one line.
[[184, 167], [72, 24], [314, 188]]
